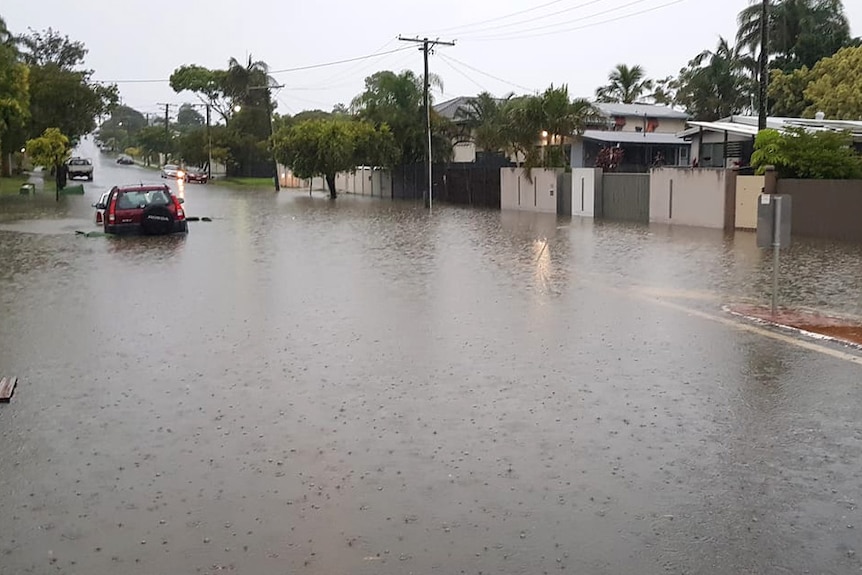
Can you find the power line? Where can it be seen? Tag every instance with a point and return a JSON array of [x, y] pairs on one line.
[[282, 71], [477, 70], [335, 63], [290, 109], [326, 86], [534, 19], [517, 36], [576, 20], [498, 18], [352, 69], [470, 78]]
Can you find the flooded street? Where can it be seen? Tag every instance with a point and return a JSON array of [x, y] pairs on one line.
[[307, 386]]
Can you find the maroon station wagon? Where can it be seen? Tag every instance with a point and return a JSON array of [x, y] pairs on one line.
[[146, 209]]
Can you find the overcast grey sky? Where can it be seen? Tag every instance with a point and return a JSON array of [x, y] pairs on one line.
[[502, 45]]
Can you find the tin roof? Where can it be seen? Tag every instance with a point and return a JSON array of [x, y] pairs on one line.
[[640, 110], [633, 137]]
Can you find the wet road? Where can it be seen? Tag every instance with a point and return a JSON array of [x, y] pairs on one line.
[[303, 386]]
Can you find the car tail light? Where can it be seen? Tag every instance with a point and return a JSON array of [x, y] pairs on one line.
[[112, 210], [99, 217], [181, 215]]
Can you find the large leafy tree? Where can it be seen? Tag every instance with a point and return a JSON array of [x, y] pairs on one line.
[[801, 32], [14, 91], [836, 86], [192, 147], [787, 92], [120, 130], [62, 93], [397, 101], [625, 84], [153, 140], [188, 118], [241, 95], [716, 83], [325, 147], [208, 85], [833, 86]]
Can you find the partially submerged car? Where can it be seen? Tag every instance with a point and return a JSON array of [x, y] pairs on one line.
[[125, 160], [149, 209]]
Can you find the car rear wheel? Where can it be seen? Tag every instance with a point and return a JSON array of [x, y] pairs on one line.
[[157, 221]]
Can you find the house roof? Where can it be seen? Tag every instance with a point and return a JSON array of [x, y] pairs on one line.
[[449, 108], [632, 137], [640, 110], [748, 125], [720, 126]]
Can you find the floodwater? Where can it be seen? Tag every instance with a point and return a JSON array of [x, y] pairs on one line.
[[307, 386]]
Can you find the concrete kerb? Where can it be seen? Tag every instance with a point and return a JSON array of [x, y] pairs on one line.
[[791, 329]]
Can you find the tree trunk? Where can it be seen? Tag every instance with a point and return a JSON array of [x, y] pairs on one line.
[[6, 165], [330, 183]]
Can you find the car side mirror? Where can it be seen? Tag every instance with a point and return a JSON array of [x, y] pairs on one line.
[[181, 200], [99, 206]]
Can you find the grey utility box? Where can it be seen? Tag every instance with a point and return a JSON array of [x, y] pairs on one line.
[[773, 210]]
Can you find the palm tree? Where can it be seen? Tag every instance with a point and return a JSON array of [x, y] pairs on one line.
[[483, 120], [397, 101], [626, 85], [564, 117], [801, 32], [6, 37], [716, 83], [243, 82]]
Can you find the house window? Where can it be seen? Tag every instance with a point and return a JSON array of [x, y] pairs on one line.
[[712, 155], [619, 123], [684, 156]]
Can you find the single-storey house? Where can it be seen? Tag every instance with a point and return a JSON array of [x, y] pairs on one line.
[[729, 142]]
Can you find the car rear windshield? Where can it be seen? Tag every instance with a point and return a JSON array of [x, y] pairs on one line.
[[79, 163], [132, 199]]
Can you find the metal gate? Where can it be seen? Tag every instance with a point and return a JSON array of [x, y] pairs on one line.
[[624, 197]]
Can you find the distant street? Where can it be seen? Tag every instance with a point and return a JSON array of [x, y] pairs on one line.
[[356, 386]]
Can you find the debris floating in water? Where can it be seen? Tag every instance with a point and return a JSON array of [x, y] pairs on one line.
[[7, 388]]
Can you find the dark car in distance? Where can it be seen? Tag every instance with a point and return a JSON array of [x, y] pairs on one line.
[[196, 175], [144, 209]]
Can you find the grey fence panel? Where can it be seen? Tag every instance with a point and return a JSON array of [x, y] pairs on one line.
[[625, 197]]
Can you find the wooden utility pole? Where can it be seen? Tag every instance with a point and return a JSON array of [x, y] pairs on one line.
[[209, 145], [427, 45], [167, 128], [209, 140], [269, 112], [764, 64]]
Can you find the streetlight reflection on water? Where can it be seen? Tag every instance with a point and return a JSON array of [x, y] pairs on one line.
[[542, 252]]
